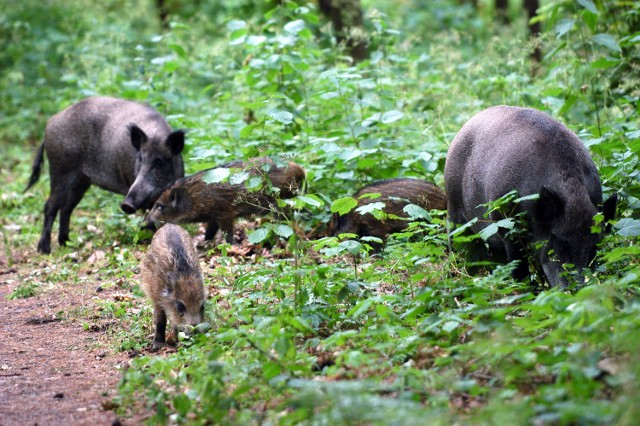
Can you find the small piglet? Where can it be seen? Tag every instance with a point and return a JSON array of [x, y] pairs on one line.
[[395, 194], [119, 145], [191, 199], [507, 148], [172, 279]]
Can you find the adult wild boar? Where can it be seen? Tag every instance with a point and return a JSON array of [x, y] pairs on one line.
[[507, 148], [118, 145]]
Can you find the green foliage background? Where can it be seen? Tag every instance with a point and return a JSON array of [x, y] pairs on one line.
[[322, 333]]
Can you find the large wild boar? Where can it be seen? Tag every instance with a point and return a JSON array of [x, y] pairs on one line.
[[119, 145], [191, 199], [171, 277], [396, 194], [507, 148]]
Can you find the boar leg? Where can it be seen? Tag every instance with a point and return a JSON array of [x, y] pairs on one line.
[[51, 208], [227, 229], [160, 318], [212, 228], [75, 194], [516, 251]]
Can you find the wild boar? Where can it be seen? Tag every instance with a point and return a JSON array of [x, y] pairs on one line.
[[191, 199], [396, 194], [507, 148], [171, 277], [119, 145]]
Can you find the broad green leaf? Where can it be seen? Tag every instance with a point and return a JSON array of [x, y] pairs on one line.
[[216, 175], [236, 24], [414, 210], [371, 207], [608, 41], [628, 227], [311, 200], [564, 26], [182, 403], [238, 177], [449, 326], [271, 369], [343, 205], [255, 40], [589, 5], [604, 63], [489, 231], [301, 324], [391, 116], [283, 230], [294, 27], [259, 235], [280, 115], [179, 50], [351, 246]]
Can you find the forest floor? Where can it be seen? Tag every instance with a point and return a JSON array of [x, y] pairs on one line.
[[54, 371]]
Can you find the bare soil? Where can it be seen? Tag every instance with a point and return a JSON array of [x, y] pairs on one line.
[[52, 370]]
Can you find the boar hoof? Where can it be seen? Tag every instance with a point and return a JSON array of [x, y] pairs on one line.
[[159, 345]]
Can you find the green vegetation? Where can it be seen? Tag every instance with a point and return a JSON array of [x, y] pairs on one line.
[[317, 331]]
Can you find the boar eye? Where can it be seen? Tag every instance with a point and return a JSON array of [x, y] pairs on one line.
[[181, 308], [160, 165]]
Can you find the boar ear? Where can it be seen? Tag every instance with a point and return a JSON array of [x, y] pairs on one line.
[[175, 141], [549, 205], [138, 137], [609, 209], [177, 197]]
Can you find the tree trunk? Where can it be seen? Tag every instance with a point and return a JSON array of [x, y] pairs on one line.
[[502, 11], [534, 28], [347, 19]]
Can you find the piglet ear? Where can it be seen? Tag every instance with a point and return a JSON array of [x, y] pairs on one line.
[[549, 206], [177, 197], [138, 136], [175, 141], [609, 209]]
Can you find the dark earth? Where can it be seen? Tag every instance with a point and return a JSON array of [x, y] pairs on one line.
[[52, 370]]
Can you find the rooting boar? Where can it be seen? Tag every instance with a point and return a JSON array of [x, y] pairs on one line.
[[191, 199], [507, 148], [171, 277], [396, 194], [119, 145]]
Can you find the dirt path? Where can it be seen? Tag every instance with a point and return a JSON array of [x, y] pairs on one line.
[[52, 371]]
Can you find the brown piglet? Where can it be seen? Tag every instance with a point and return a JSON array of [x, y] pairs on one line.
[[395, 194], [172, 279], [219, 204]]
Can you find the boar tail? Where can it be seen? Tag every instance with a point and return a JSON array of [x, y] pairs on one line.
[[37, 166]]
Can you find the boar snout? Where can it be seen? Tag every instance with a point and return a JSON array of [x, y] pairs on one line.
[[127, 207], [140, 197]]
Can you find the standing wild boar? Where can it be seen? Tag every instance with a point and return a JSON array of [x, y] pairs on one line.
[[396, 194], [121, 146], [507, 148], [171, 277], [191, 199]]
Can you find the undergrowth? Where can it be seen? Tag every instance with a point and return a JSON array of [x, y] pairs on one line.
[[317, 330]]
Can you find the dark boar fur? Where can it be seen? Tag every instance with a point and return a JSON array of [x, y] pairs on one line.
[[191, 200], [507, 148], [121, 146], [396, 194], [171, 277]]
